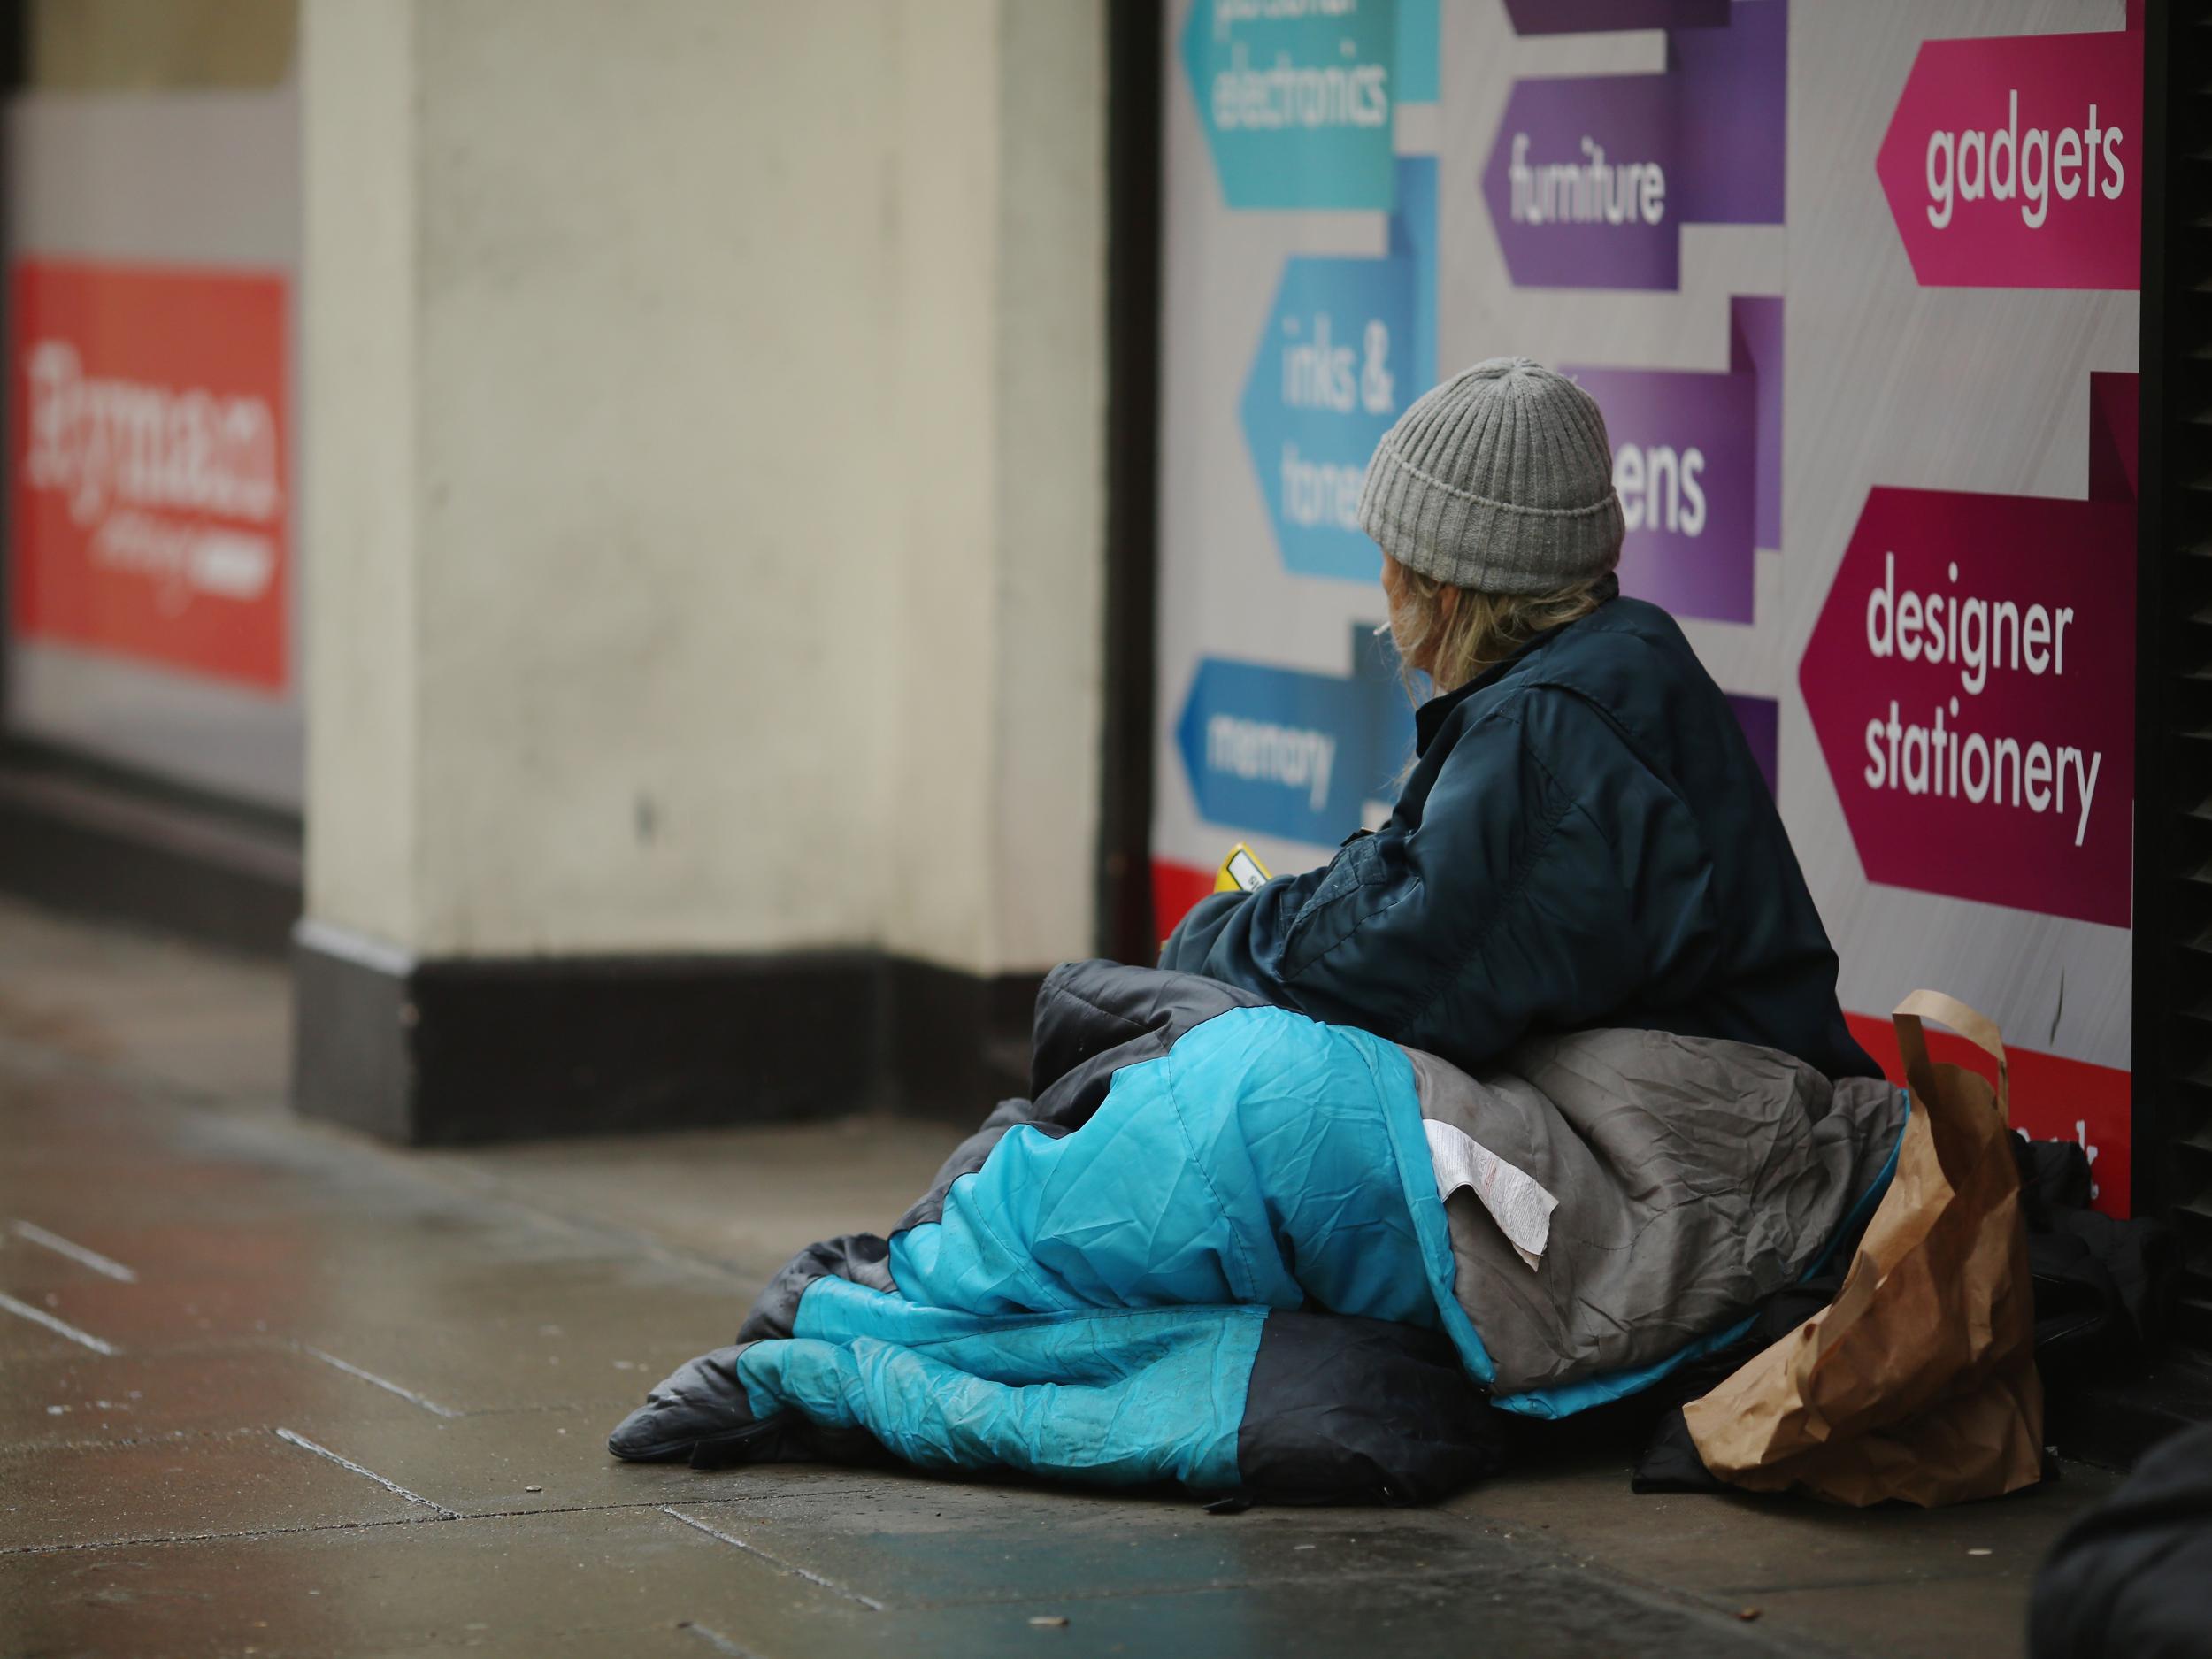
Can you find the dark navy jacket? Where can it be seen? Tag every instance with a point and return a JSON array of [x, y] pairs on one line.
[[1584, 839]]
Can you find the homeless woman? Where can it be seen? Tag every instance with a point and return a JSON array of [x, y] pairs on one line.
[[1585, 839], [1527, 1098]]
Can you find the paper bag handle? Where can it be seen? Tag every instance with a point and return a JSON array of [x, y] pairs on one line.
[[1976, 1028]]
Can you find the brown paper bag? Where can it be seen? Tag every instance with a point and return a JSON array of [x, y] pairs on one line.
[[1918, 1382]]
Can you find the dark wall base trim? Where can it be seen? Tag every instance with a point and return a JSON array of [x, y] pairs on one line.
[[82, 844], [440, 1052], [2113, 1425], [956, 1044]]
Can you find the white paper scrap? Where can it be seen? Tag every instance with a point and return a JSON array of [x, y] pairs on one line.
[[1521, 1208]]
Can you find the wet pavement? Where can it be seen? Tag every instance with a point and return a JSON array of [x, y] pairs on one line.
[[265, 1388]]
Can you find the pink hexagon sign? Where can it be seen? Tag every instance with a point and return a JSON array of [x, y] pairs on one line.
[[2016, 161], [1971, 680]]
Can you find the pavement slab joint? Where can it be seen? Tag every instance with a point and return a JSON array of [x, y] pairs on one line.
[[31, 1232], [385, 1383], [815, 1578], [393, 1486], [156, 1541], [59, 1327]]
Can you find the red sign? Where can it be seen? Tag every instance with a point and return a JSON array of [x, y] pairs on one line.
[[1176, 889], [151, 477], [2017, 162], [1971, 680], [2053, 1099]]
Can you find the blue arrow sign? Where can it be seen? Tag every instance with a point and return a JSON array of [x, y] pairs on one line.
[[1347, 345], [1296, 99], [1295, 754], [1417, 31]]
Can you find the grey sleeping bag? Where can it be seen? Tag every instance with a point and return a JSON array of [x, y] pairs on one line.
[[1691, 1178]]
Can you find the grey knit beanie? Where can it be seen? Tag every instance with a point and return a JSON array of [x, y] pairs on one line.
[[1499, 479]]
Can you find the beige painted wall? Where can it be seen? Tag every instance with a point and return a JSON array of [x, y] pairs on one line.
[[704, 454]]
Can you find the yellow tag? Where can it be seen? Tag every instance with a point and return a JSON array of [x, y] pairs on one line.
[[1241, 871]]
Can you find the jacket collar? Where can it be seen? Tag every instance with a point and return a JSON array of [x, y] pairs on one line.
[[1429, 718]]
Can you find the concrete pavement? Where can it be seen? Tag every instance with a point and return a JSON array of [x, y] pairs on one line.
[[265, 1388]]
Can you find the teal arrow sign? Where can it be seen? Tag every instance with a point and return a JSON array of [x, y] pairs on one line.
[[1296, 99]]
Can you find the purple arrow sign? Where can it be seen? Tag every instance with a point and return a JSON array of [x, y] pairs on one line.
[[1761, 719], [1593, 17], [1697, 458], [1590, 178]]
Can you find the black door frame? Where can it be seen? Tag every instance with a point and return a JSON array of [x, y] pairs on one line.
[[1135, 44]]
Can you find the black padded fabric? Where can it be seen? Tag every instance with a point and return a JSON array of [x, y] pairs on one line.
[[699, 1415], [1669, 1462], [788, 1438], [1093, 1018], [2133, 1580], [1351, 1410], [701, 1403], [862, 1257], [968, 1157]]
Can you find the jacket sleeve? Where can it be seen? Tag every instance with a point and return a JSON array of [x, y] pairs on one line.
[[1553, 878]]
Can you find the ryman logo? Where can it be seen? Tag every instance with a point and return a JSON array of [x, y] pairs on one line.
[[127, 457], [149, 478]]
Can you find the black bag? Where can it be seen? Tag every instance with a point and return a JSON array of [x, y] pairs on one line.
[[2102, 1287]]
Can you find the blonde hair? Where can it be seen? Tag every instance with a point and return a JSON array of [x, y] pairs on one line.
[[1481, 630]]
